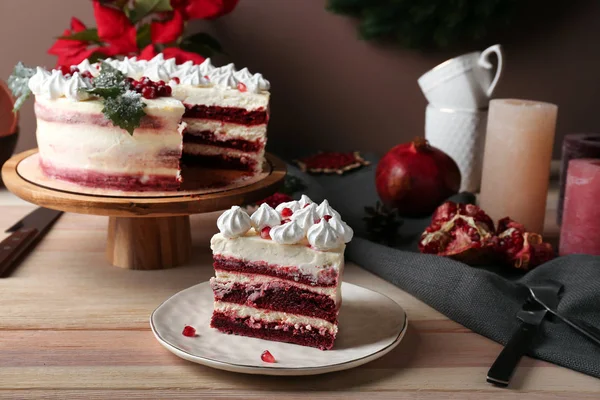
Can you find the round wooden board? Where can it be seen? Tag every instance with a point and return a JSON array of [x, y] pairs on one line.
[[184, 204]]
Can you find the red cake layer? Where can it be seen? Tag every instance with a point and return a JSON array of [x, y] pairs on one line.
[[127, 182], [277, 296], [272, 331], [75, 117], [219, 161], [328, 277], [208, 137], [227, 114]]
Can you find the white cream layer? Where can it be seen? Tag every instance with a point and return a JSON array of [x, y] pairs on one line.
[[227, 131], [259, 314], [211, 96], [108, 149], [251, 247]]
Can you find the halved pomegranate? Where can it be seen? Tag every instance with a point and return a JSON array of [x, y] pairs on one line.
[[463, 232], [519, 248]]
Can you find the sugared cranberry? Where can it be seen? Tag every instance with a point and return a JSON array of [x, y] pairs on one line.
[[241, 87], [189, 331], [149, 92], [267, 357], [164, 91], [265, 233], [145, 80], [286, 212], [327, 217], [176, 79]]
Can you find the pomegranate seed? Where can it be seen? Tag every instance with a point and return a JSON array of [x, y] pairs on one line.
[[169, 90], [161, 83], [285, 221], [267, 357], [327, 217], [145, 80], [73, 69], [161, 91], [176, 79], [206, 77], [189, 331], [265, 233], [149, 92], [317, 221], [286, 212], [86, 74], [306, 205], [241, 87]]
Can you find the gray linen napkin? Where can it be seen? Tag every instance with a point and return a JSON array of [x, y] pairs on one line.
[[484, 299]]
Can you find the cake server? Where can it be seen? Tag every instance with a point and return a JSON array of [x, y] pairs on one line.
[[531, 316], [24, 235], [543, 294]]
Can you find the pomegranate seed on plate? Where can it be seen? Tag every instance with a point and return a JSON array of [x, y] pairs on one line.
[[267, 357], [189, 331]]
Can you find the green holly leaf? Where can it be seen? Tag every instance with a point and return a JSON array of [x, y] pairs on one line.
[[88, 35], [143, 36], [110, 83], [125, 111], [18, 83], [142, 8]]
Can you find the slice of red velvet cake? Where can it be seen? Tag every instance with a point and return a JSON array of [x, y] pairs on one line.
[[279, 274]]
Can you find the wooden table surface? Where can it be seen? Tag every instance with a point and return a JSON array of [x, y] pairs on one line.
[[73, 326]]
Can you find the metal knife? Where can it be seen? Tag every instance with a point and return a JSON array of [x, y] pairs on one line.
[[24, 235], [531, 316]]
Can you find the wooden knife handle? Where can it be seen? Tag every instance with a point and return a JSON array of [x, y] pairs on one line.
[[13, 247], [504, 366]]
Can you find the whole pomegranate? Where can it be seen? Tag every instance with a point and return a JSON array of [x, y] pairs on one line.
[[460, 231], [519, 248], [415, 178]]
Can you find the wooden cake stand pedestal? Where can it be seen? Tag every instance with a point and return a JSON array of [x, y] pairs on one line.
[[146, 230]]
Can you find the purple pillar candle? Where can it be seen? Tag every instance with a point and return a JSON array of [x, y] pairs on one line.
[[575, 145], [580, 230]]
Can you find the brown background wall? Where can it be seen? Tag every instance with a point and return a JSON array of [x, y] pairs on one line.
[[331, 90]]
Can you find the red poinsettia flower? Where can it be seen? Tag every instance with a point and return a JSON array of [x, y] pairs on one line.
[[169, 30], [204, 9], [179, 55], [115, 29], [182, 56], [71, 52]]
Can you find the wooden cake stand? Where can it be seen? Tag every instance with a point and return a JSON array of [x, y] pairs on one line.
[[146, 230]]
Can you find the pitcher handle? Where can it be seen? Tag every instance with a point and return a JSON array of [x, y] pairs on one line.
[[485, 63]]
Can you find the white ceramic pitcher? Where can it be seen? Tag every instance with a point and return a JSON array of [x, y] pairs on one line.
[[463, 82]]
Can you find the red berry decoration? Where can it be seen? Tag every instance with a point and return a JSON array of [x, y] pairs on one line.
[[65, 70], [86, 74], [265, 233], [176, 79], [149, 92], [327, 217], [189, 331], [286, 212], [331, 162], [415, 178], [241, 87], [267, 357]]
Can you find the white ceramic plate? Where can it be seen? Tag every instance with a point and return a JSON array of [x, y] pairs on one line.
[[370, 325]]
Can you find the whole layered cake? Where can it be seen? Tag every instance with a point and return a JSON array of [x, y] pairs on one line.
[[278, 273], [130, 124]]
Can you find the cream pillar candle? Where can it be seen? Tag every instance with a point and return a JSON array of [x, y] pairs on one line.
[[516, 161]]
